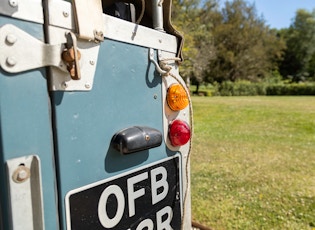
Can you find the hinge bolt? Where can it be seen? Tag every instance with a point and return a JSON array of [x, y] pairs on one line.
[[11, 39], [13, 3], [21, 174], [11, 61]]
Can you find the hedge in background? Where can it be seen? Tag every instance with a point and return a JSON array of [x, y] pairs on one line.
[[291, 89], [241, 88], [246, 88]]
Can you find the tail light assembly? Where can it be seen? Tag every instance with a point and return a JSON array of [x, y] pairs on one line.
[[179, 131]]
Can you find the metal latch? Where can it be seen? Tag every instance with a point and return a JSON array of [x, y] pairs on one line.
[[25, 193], [21, 52], [71, 56]]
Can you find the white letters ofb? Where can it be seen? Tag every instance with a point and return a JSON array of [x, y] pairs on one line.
[[159, 190]]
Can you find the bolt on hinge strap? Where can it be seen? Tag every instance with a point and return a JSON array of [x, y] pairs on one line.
[[25, 193]]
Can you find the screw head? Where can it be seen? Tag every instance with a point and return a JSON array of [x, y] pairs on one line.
[[65, 14], [87, 85], [11, 61], [11, 39], [13, 3], [64, 85], [21, 174]]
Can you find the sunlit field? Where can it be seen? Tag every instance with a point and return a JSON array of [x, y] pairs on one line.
[[253, 162]]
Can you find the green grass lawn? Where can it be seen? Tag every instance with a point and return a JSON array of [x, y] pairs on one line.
[[253, 162]]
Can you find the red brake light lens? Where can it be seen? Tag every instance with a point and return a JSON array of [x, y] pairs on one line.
[[179, 133]]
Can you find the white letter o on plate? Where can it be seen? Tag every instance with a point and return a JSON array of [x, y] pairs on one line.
[[102, 214]]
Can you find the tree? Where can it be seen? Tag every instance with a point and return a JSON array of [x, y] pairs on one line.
[[299, 59], [245, 47], [191, 20]]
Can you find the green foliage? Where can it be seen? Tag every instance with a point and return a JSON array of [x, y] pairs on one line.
[[189, 19], [291, 89], [273, 78], [245, 47], [300, 38], [204, 90], [241, 88], [231, 46], [247, 88]]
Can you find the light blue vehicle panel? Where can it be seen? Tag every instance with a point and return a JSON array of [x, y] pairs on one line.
[[126, 92], [25, 127]]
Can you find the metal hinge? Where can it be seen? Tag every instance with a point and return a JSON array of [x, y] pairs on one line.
[[88, 16], [22, 52]]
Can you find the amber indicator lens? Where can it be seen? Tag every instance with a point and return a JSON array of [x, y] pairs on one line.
[[177, 97], [179, 133]]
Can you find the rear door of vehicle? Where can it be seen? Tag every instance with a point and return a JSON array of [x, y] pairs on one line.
[[107, 155]]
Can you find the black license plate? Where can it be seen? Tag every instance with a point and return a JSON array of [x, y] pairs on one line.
[[147, 198]]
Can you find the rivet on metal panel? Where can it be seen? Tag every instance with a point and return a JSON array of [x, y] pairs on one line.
[[11, 61], [21, 174], [64, 85], [87, 85], [65, 14], [13, 3], [11, 39]]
